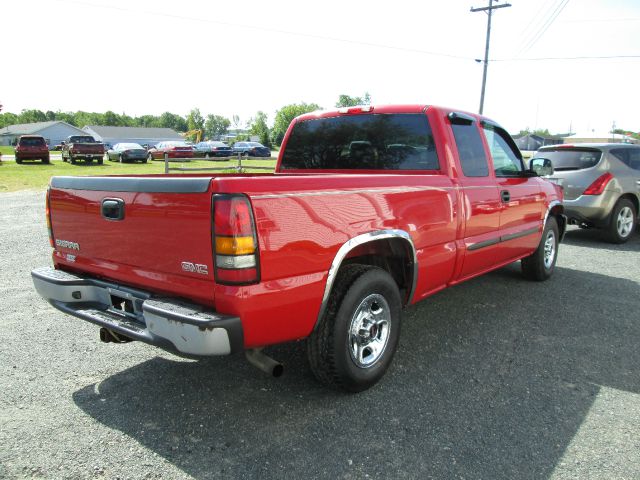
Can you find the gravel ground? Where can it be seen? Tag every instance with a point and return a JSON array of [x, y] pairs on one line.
[[496, 378]]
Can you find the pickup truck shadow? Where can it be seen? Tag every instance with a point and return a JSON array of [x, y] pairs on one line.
[[492, 380], [592, 238]]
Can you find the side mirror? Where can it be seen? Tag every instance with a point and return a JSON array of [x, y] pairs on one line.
[[542, 166]]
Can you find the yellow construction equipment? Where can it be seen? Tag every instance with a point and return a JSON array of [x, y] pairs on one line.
[[197, 133]]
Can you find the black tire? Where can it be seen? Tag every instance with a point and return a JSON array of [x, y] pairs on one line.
[[18, 161], [72, 160], [45, 160], [330, 346], [540, 265], [100, 161], [144, 160], [623, 221]]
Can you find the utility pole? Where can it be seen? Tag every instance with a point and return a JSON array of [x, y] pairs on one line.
[[488, 10]]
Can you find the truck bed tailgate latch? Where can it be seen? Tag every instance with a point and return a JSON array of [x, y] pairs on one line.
[[112, 208]]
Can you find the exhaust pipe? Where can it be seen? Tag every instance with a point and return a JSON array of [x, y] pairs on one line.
[[107, 336], [263, 362]]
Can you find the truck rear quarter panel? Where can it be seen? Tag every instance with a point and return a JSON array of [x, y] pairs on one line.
[[300, 231]]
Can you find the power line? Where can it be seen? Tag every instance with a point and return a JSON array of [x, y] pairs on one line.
[[601, 57], [545, 26], [268, 29], [538, 18]]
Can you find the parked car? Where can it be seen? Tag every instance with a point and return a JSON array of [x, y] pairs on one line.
[[601, 184], [32, 147], [82, 147], [126, 152], [252, 149], [327, 248], [172, 149], [212, 149]]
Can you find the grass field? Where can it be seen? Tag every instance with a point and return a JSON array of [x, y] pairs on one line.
[[35, 175], [6, 150]]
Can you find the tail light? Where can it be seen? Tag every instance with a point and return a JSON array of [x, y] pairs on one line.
[[597, 187], [47, 210], [235, 241]]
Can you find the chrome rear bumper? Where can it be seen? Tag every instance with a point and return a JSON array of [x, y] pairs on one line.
[[171, 324]]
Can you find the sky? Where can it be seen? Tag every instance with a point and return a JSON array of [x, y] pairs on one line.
[[236, 58]]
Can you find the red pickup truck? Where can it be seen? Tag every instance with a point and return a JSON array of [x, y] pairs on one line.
[[370, 209], [82, 147]]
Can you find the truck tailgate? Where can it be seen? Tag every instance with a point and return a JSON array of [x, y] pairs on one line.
[[154, 233]]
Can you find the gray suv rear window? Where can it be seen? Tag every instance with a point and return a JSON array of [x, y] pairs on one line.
[[577, 158], [362, 142]]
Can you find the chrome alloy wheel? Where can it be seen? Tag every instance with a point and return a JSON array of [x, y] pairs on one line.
[[624, 222], [549, 249], [369, 330]]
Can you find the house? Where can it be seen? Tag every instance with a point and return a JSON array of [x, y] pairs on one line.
[[599, 137], [532, 142], [53, 132], [142, 135]]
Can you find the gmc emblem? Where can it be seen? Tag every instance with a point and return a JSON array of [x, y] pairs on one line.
[[195, 268]]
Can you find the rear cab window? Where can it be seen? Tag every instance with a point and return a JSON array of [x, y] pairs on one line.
[[32, 142], [471, 152], [395, 141], [571, 158]]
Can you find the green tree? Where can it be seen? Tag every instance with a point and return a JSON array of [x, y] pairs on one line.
[[146, 121], [171, 120], [285, 115], [7, 119], [258, 126], [348, 101], [543, 132], [31, 116], [111, 119], [195, 121], [216, 125]]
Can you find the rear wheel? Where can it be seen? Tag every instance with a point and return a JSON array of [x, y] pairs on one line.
[[45, 160], [353, 345], [623, 221], [18, 160], [541, 264], [72, 160]]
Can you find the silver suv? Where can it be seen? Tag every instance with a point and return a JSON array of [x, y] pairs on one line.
[[601, 183]]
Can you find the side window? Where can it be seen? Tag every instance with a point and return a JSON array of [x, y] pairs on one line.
[[506, 162], [629, 156], [470, 149]]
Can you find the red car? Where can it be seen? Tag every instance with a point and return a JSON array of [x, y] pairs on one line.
[[165, 150], [32, 147]]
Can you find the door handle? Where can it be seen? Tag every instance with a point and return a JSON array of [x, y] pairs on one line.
[[505, 195], [112, 209]]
